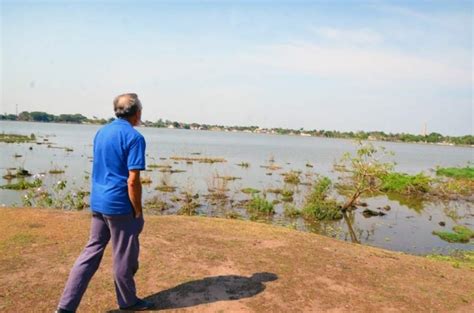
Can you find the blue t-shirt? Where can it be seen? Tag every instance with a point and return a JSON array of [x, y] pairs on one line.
[[118, 148]]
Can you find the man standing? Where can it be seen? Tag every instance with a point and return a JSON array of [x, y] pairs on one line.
[[119, 156]]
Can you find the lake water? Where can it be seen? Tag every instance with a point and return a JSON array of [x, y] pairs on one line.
[[408, 226]]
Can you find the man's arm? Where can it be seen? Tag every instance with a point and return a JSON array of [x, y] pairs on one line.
[[135, 191]]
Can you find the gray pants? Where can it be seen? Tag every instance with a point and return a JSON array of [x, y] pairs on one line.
[[124, 231]]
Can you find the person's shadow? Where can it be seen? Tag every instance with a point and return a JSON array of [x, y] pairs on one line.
[[210, 289]]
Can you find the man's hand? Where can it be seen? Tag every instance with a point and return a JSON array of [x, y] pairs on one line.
[[135, 191]]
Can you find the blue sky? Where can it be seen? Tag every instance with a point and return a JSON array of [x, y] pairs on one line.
[[345, 65]]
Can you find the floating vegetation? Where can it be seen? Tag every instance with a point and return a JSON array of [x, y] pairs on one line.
[[291, 211], [318, 205], [271, 167], [456, 172], [15, 138], [405, 184], [55, 171], [155, 204], [195, 153], [250, 190], [453, 188], [243, 164], [190, 205], [171, 171], [292, 177], [276, 191], [461, 234], [229, 178], [287, 195], [20, 172], [69, 149], [370, 213], [165, 166], [162, 159], [166, 188], [16, 155], [23, 185], [259, 205], [309, 165], [145, 180], [208, 160]]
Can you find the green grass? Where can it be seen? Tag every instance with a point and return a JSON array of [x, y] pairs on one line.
[[461, 234], [250, 191], [23, 185], [456, 172], [405, 184], [458, 259], [291, 211], [259, 205]]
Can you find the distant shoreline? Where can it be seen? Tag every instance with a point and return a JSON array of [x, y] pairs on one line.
[[231, 129]]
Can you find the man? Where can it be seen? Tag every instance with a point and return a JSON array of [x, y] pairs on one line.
[[119, 156]]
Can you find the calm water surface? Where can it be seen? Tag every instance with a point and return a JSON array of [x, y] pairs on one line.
[[408, 226]]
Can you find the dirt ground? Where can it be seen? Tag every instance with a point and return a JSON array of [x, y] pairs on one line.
[[198, 264]]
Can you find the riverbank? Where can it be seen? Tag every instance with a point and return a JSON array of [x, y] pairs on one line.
[[211, 265]]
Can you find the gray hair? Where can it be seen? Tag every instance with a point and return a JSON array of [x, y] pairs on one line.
[[127, 105]]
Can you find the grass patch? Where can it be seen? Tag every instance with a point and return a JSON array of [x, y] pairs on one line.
[[208, 160], [456, 172], [318, 205], [460, 234], [260, 206], [405, 184], [23, 185], [291, 211], [15, 138], [166, 188], [292, 177], [250, 191], [458, 259]]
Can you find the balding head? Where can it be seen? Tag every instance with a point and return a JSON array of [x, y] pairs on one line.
[[127, 105]]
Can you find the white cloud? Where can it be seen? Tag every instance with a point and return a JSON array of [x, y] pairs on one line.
[[374, 65], [349, 36]]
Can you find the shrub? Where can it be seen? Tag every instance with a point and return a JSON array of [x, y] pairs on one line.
[[318, 205]]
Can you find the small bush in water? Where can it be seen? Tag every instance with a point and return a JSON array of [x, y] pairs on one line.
[[318, 205]]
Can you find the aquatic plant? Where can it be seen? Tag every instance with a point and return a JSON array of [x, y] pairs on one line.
[[291, 211], [292, 177], [189, 206], [16, 138], [19, 173], [287, 195], [456, 172], [259, 205], [243, 164], [23, 185], [145, 180], [209, 160], [405, 183], [461, 234], [318, 204], [250, 190]]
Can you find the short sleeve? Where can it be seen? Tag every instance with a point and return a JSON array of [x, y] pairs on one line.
[[136, 154]]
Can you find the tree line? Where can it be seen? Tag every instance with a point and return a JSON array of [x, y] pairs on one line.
[[37, 116]]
